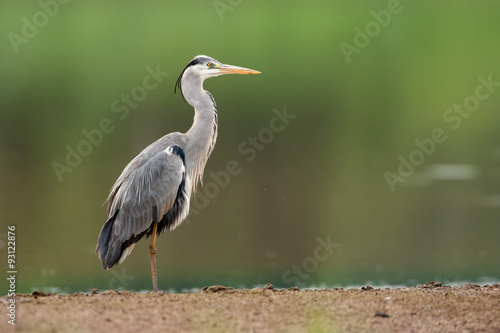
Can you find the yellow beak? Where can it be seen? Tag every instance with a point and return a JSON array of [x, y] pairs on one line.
[[229, 69]]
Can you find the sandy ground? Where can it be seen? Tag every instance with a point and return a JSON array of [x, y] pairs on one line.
[[425, 308]]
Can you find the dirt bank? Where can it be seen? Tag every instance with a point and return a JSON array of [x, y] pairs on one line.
[[426, 308]]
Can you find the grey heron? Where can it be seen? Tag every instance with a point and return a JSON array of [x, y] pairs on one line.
[[153, 192]]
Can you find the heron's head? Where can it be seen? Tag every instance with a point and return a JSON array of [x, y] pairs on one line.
[[203, 67]]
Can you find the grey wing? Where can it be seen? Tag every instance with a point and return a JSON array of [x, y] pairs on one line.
[[160, 145], [144, 195]]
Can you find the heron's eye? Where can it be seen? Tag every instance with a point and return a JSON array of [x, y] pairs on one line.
[[210, 64]]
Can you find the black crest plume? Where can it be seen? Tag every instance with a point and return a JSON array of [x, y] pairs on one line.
[[178, 83]]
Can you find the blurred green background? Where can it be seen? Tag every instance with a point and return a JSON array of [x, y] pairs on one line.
[[321, 179]]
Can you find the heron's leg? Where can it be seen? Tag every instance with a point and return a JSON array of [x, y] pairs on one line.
[[152, 257]]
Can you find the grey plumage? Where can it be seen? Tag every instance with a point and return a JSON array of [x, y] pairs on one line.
[[150, 189], [154, 190]]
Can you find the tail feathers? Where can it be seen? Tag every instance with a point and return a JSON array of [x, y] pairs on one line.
[[113, 250], [109, 252]]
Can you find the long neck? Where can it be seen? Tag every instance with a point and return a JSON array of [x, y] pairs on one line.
[[202, 135]]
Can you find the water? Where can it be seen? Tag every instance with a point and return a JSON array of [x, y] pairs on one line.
[[321, 178]]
